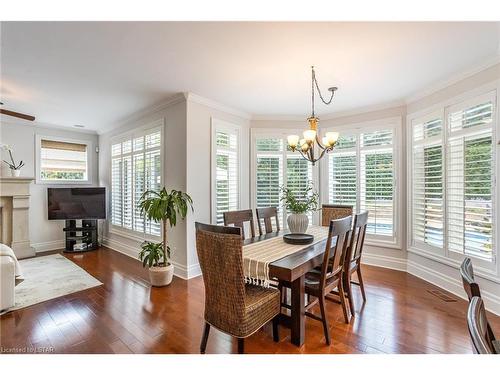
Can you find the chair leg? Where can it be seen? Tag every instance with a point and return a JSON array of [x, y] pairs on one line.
[[204, 339], [324, 319], [348, 291], [343, 303], [276, 332], [361, 284], [241, 346]]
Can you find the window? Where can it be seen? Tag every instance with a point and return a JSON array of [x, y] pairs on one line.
[[452, 181], [361, 172], [62, 161], [136, 166], [276, 166], [225, 170]]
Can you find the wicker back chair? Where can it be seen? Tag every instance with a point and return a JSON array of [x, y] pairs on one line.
[[353, 257], [238, 219], [482, 340], [320, 284], [267, 214], [331, 212], [231, 306]]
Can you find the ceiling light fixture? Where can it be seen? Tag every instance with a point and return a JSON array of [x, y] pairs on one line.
[[306, 145]]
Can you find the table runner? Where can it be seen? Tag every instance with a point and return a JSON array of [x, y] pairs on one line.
[[257, 256]]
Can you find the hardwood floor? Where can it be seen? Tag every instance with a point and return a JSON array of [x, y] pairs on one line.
[[126, 315]]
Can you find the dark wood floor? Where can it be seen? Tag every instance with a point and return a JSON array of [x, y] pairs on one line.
[[126, 315]]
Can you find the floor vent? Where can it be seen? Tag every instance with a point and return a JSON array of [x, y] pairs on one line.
[[446, 297]]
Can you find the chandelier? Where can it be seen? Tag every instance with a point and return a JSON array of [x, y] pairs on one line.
[[310, 142]]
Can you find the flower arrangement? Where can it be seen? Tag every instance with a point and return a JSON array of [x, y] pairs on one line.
[[301, 203], [12, 164]]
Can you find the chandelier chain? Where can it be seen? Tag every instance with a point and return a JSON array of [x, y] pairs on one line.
[[315, 82]]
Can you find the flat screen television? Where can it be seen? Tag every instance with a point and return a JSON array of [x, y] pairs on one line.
[[76, 203]]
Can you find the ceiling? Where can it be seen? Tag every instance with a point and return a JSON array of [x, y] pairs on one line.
[[96, 73]]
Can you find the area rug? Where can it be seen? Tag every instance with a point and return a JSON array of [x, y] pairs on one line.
[[48, 277]]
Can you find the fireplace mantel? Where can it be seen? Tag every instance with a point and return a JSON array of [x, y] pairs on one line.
[[14, 221]]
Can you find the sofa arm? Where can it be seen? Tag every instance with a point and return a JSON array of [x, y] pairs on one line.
[[7, 282]]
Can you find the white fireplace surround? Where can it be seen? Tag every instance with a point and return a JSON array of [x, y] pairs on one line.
[[14, 215]]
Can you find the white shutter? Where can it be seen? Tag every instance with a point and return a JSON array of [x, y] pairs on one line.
[[342, 172], [226, 171], [135, 168], [470, 175], [377, 181], [427, 181]]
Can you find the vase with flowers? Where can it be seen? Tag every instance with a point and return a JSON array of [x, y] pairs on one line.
[[298, 204], [15, 168]]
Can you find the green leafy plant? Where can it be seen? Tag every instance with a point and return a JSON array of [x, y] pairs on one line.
[[153, 254], [299, 203], [164, 207]]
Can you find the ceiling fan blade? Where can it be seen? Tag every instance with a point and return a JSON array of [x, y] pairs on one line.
[[17, 114]]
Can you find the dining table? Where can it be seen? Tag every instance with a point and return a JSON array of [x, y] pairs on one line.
[[291, 270]]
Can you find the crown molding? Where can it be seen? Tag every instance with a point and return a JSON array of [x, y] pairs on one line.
[[138, 115], [333, 115], [195, 98], [443, 84]]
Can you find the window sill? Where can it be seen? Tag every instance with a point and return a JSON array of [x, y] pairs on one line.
[[382, 243], [482, 272]]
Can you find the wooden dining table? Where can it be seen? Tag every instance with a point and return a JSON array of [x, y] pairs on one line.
[[291, 269]]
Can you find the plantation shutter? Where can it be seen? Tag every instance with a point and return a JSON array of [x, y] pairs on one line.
[[342, 172], [377, 181], [470, 177], [427, 181], [269, 172], [135, 168], [226, 172]]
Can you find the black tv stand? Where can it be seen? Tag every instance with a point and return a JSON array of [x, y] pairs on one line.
[[86, 234]]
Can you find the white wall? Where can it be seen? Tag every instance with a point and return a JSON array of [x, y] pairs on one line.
[[44, 234], [199, 116]]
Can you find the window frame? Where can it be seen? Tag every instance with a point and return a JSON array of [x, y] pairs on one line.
[[38, 161], [221, 125], [483, 268], [259, 133], [390, 123], [151, 127]]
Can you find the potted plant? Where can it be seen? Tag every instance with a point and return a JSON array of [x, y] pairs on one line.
[[15, 168], [299, 204], [164, 207]]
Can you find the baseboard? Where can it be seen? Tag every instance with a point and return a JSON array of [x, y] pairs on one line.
[[48, 246], [179, 270], [450, 284], [384, 261]]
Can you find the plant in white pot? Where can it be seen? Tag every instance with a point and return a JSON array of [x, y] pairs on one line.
[[15, 168], [164, 207], [298, 205]]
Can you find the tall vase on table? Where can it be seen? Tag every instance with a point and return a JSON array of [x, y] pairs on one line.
[[299, 204]]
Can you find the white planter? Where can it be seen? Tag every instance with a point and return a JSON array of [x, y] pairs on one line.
[[297, 223], [15, 172], [161, 276]]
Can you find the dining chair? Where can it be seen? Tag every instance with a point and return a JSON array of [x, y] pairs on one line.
[[320, 284], [267, 214], [471, 287], [353, 257], [238, 219], [477, 322], [231, 305], [331, 212]]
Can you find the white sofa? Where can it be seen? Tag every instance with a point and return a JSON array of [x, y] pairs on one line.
[[7, 282]]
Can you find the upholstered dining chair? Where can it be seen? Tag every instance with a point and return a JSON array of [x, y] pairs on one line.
[[231, 305], [320, 284], [482, 340], [238, 219], [331, 212], [353, 257], [471, 287], [266, 214]]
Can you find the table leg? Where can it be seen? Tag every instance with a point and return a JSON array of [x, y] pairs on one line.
[[298, 317]]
